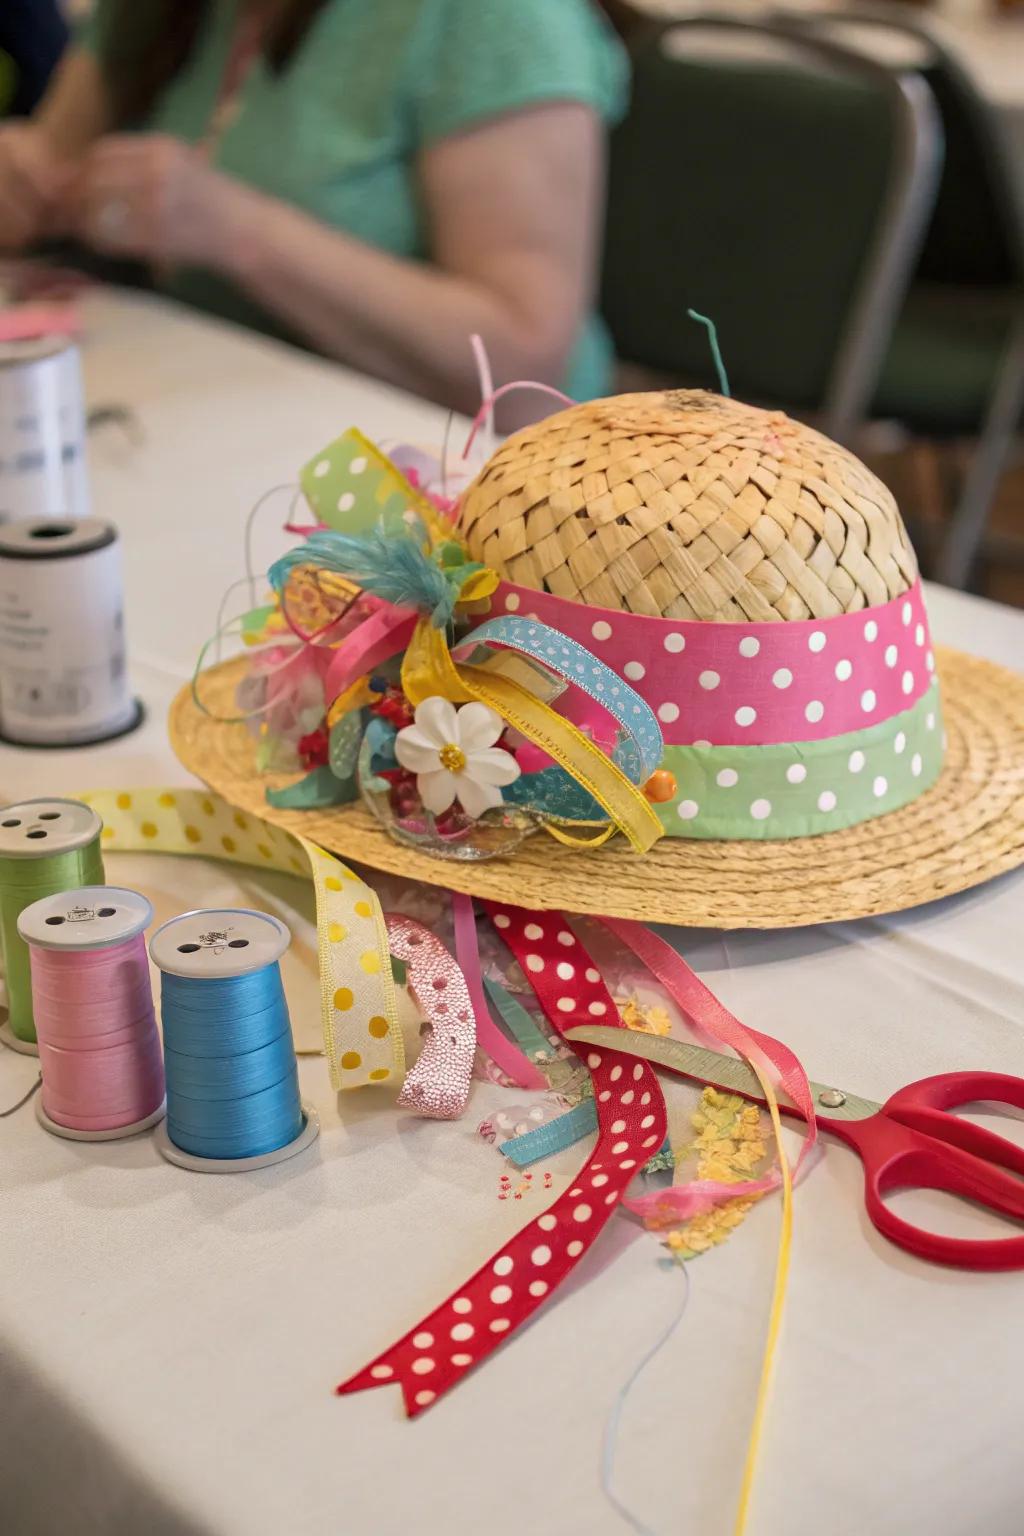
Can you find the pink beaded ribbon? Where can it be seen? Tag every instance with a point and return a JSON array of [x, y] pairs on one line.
[[505, 1291], [438, 1084]]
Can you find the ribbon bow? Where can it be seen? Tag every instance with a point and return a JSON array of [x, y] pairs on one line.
[[416, 576]]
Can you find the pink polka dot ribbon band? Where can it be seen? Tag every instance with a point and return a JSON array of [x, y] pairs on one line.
[[754, 684]]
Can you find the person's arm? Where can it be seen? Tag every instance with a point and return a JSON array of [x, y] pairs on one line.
[[37, 157], [513, 207], [76, 108]]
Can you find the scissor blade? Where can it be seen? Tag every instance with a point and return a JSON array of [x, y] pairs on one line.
[[712, 1067]]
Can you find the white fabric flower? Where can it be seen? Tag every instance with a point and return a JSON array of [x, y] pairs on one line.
[[452, 754]]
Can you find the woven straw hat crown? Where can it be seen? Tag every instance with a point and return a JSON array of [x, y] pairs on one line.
[[687, 505]]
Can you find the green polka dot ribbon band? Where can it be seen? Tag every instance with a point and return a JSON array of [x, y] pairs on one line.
[[362, 1038], [798, 789]]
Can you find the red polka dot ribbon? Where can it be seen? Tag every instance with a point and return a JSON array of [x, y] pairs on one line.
[[513, 1283]]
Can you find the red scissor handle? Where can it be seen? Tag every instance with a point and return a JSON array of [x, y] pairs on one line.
[[915, 1143]]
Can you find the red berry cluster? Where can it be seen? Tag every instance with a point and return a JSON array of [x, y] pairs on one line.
[[313, 749], [403, 794], [393, 707]]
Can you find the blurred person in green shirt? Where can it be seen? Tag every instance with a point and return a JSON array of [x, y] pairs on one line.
[[376, 178]]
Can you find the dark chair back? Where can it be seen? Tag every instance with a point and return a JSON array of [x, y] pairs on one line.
[[778, 184], [975, 236]]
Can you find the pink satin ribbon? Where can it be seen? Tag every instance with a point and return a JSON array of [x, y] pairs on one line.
[[386, 633], [737, 684], [665, 1207], [24, 322], [502, 1052]]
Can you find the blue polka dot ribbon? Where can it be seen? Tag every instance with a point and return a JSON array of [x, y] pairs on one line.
[[640, 751]]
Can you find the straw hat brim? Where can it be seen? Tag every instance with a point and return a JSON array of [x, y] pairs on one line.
[[966, 829]]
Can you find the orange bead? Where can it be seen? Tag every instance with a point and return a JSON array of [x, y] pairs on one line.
[[660, 786]]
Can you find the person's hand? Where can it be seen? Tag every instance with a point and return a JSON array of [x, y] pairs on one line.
[[31, 180], [153, 197]]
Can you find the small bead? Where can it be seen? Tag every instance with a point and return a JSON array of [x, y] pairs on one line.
[[660, 786]]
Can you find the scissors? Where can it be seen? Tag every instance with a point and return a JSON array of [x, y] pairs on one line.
[[909, 1142]]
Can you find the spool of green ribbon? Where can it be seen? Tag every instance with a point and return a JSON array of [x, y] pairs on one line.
[[46, 846]]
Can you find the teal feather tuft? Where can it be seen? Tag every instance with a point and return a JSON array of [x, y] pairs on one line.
[[391, 568]]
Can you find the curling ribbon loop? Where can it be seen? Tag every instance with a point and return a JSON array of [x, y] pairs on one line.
[[362, 1037], [514, 1282], [438, 1085]]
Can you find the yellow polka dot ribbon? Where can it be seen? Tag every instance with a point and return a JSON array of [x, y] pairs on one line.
[[362, 1037]]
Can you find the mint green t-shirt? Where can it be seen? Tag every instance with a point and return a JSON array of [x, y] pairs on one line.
[[337, 133]]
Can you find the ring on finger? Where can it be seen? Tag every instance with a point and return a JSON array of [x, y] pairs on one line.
[[111, 217]]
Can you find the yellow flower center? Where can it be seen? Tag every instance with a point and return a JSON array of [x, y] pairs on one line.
[[452, 757]]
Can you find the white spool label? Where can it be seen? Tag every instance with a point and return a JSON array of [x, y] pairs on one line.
[[42, 432], [63, 673]]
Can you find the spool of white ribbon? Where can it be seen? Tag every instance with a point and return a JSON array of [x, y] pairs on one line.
[[63, 672], [42, 431]]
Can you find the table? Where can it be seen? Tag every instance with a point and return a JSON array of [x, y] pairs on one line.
[[169, 1341]]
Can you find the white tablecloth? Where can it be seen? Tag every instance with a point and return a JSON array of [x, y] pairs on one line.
[[169, 1341]]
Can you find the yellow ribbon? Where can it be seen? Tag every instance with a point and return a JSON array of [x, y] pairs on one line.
[[362, 1038], [779, 1284], [664, 1052], [428, 670]]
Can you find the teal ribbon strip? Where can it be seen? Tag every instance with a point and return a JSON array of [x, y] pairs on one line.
[[565, 1132], [554, 1137], [798, 789], [519, 1024]]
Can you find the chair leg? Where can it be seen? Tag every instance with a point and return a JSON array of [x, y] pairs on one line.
[[967, 525]]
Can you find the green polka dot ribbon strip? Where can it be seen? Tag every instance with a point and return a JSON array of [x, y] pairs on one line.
[[362, 1038], [353, 488], [798, 789]]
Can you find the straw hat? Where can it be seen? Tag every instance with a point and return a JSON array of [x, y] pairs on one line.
[[754, 582]]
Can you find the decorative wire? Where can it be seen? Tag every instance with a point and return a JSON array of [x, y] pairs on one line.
[[23, 1100], [486, 409], [250, 521], [444, 453], [259, 650], [222, 623], [609, 1444], [716, 352]]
